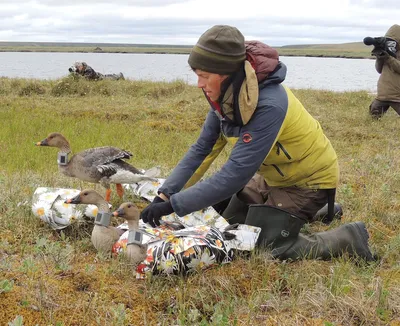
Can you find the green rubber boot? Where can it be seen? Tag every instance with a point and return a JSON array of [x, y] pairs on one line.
[[236, 211], [280, 232], [279, 229]]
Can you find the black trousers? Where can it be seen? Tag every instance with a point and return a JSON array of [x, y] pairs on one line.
[[378, 108]]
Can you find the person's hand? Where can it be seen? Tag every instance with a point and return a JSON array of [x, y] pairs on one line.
[[383, 55], [152, 214]]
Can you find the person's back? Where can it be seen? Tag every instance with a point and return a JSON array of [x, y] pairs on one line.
[[302, 153], [89, 73]]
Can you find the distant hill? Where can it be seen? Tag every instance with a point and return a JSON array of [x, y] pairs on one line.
[[82, 44], [344, 50], [351, 45]]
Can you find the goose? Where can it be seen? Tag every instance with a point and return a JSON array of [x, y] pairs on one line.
[[104, 165], [103, 235], [135, 251]]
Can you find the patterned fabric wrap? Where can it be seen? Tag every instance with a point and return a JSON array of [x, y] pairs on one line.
[[206, 216], [186, 251], [48, 204], [149, 234], [180, 252], [172, 249]]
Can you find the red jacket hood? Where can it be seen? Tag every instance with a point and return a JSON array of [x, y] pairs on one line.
[[262, 57]]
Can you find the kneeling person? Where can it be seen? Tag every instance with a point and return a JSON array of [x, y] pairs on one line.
[[280, 156]]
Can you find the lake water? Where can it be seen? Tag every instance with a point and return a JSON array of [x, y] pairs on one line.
[[334, 74]]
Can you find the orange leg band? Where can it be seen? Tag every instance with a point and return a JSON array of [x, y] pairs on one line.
[[120, 190], [108, 195]]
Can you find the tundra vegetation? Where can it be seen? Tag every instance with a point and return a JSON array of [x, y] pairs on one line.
[[56, 278]]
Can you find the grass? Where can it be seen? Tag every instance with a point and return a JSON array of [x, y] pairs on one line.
[[343, 50], [56, 278]]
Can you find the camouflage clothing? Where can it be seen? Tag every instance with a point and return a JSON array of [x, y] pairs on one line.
[[82, 68], [89, 73]]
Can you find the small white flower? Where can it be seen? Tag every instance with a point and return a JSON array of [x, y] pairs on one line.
[[167, 265], [38, 209], [205, 261]]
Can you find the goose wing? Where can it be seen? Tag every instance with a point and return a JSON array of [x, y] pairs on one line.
[[122, 172], [112, 168], [94, 157]]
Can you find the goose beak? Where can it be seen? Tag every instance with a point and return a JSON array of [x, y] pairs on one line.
[[74, 200], [119, 212], [42, 143]]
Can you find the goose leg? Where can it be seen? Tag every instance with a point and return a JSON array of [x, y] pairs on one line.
[[120, 190], [108, 194]]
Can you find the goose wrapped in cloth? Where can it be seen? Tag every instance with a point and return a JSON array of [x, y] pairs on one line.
[[182, 245], [173, 251]]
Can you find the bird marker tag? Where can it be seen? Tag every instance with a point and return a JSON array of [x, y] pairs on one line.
[[135, 237], [103, 219], [62, 159]]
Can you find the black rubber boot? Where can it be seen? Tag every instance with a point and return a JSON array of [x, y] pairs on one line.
[[322, 214], [236, 211], [280, 232]]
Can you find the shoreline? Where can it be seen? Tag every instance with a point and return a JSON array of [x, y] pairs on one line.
[[185, 53], [43, 86]]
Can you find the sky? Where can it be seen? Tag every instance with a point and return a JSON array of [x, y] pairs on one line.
[[181, 22]]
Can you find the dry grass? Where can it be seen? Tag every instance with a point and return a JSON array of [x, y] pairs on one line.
[[56, 278]]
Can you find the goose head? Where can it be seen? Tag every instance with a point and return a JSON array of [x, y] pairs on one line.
[[87, 196], [128, 211], [55, 139]]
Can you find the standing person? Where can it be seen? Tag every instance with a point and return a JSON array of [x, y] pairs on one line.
[[387, 64], [281, 159]]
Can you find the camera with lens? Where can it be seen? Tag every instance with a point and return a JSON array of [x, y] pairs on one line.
[[73, 69], [381, 45]]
